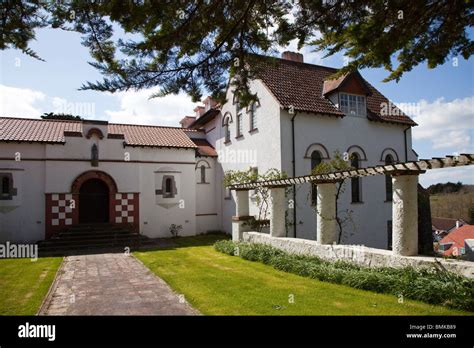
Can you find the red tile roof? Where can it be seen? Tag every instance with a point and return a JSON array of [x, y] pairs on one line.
[[138, 135], [52, 131], [35, 130], [457, 237], [205, 148], [301, 85]]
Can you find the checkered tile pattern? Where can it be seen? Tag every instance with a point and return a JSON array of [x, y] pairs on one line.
[[124, 208], [61, 209]]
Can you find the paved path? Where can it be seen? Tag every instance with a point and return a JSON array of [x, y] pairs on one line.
[[111, 284]]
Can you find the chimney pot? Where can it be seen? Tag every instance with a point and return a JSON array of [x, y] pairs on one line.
[[293, 56]]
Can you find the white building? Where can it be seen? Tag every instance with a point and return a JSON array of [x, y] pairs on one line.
[[59, 173]]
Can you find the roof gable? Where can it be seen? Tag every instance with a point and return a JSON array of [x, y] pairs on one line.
[[350, 83], [301, 85]]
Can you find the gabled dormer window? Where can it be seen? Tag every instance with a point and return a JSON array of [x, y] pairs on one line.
[[352, 105]]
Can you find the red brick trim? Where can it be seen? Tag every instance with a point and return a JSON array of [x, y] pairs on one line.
[[94, 174]]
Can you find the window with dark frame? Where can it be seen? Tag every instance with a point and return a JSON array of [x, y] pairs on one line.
[[203, 174], [6, 185], [227, 130], [389, 234], [7, 191], [355, 182], [253, 116], [388, 180], [239, 120], [168, 186], [316, 160]]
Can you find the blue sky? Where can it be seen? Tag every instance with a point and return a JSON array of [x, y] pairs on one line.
[[441, 100]]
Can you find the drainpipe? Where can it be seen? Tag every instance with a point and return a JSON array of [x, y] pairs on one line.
[[294, 171], [406, 146]]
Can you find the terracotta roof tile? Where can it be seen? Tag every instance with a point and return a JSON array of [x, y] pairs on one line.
[[52, 131], [444, 224], [457, 237], [301, 85], [137, 135], [18, 129]]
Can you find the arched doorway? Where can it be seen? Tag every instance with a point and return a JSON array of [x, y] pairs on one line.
[[94, 192], [94, 201]]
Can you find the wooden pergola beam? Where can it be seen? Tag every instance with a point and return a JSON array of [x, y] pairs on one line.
[[416, 167]]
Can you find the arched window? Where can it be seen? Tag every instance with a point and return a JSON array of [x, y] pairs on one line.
[[239, 120], [316, 160], [226, 130], [94, 156], [5, 185], [253, 116], [355, 182], [203, 174], [388, 179]]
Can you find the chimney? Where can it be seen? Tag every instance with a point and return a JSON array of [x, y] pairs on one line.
[[186, 121], [199, 110], [209, 103], [293, 56]]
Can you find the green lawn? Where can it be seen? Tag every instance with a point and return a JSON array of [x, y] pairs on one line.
[[218, 284], [24, 284]]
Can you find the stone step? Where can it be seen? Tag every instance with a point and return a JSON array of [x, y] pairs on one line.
[[91, 241], [96, 227], [92, 233], [92, 237]]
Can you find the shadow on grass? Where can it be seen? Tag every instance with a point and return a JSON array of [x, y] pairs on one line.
[[184, 242], [153, 244]]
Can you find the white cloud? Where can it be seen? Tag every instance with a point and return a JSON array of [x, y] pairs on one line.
[[465, 175], [447, 125], [20, 102], [137, 108]]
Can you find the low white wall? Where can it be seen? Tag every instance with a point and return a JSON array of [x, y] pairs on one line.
[[359, 254]]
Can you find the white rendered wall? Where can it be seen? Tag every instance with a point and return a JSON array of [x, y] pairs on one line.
[[66, 162], [260, 148], [368, 222]]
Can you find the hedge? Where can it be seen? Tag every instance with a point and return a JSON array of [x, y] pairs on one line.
[[428, 285]]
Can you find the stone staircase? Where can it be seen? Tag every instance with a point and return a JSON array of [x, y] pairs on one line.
[[90, 238]]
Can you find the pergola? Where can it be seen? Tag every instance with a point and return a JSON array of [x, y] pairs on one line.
[[404, 202]]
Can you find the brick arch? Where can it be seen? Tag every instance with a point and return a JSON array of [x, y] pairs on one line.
[[94, 174], [94, 131]]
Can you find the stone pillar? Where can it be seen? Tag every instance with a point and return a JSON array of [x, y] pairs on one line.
[[326, 215], [241, 203], [241, 218], [405, 214], [277, 214]]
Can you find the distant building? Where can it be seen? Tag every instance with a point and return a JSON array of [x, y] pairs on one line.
[[454, 243], [442, 226]]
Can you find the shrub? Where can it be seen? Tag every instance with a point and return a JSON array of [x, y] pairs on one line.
[[429, 285], [225, 246]]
